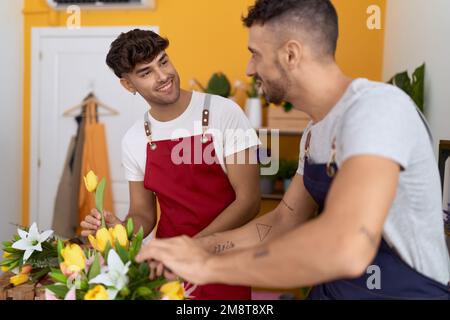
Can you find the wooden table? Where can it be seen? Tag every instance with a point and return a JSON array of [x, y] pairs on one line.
[[25, 291]]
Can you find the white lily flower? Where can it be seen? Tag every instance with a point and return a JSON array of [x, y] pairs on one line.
[[31, 241], [114, 276]]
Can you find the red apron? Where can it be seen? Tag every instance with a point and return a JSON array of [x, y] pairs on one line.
[[191, 194]]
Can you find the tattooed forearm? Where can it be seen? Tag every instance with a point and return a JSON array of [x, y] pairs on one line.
[[261, 252], [372, 238], [287, 206], [263, 230], [223, 246]]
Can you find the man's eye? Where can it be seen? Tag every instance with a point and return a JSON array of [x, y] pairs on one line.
[[164, 62]]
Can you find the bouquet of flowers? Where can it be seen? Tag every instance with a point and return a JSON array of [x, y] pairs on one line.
[[30, 255], [108, 271]]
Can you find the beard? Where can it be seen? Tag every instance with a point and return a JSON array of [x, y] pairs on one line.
[[275, 90]]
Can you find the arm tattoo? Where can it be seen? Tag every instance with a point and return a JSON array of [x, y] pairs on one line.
[[224, 246], [287, 206], [372, 238], [263, 230], [262, 252]]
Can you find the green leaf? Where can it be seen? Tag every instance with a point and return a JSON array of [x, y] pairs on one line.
[[143, 292], [60, 246], [123, 254], [130, 228], [94, 270], [99, 193], [12, 250], [417, 89], [137, 244], [58, 290], [57, 276], [403, 81], [144, 269], [6, 243], [106, 252], [84, 285]]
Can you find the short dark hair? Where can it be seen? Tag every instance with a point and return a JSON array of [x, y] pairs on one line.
[[134, 47], [318, 17]]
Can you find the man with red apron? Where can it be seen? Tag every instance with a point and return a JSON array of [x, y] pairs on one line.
[[191, 195], [180, 153]]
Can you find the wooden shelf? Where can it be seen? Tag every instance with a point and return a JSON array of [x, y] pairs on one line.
[[284, 132]]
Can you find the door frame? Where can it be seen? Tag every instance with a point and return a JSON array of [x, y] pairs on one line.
[[37, 35]]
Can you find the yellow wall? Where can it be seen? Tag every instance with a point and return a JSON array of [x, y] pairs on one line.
[[206, 36]]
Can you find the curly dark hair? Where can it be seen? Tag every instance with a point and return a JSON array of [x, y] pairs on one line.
[[134, 47], [318, 17]]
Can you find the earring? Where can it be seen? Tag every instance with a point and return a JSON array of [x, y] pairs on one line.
[[134, 93]]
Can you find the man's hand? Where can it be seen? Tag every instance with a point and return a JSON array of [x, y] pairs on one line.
[[181, 255], [93, 221]]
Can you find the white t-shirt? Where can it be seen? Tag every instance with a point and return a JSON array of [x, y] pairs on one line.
[[378, 119], [228, 125]]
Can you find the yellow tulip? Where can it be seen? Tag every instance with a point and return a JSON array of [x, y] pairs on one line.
[[91, 181], [173, 290], [97, 293], [18, 279], [74, 259], [6, 254], [102, 237], [4, 268], [119, 233]]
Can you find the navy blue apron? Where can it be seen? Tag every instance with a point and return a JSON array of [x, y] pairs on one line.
[[398, 279]]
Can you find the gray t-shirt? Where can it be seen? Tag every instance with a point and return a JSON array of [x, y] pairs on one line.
[[373, 118]]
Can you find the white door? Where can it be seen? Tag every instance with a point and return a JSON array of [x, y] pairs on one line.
[[67, 65]]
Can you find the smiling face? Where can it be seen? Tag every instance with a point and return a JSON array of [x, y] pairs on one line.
[[157, 81], [265, 65]]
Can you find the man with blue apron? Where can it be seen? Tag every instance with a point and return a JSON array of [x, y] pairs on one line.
[[400, 281], [362, 218]]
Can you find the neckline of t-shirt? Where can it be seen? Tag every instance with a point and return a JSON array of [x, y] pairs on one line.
[[171, 123], [341, 102]]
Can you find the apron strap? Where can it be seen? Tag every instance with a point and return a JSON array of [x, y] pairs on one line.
[[205, 117], [205, 122], [148, 130]]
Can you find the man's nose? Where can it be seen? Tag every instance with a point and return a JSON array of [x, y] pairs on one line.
[[162, 76]]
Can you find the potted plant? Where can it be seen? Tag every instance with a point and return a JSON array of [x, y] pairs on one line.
[[218, 84], [287, 170], [253, 107], [414, 86]]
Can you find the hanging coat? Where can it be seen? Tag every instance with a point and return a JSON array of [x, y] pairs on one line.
[[95, 157]]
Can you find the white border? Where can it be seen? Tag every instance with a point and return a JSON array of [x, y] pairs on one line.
[[37, 34]]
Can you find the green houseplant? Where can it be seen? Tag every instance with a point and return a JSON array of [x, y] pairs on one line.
[[414, 86], [218, 84]]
